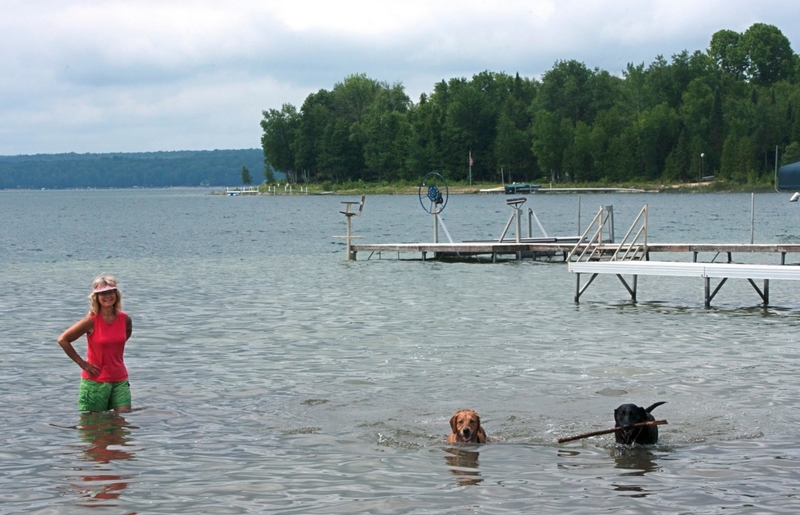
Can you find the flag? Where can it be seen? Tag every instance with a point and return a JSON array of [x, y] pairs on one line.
[[470, 158]]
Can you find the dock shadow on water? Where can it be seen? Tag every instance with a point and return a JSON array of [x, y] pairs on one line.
[[463, 464], [106, 439]]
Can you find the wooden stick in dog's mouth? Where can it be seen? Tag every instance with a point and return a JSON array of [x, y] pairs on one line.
[[608, 431]]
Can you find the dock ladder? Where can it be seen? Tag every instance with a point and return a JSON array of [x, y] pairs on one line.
[[633, 246]]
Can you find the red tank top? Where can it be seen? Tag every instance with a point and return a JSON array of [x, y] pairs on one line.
[[106, 346]]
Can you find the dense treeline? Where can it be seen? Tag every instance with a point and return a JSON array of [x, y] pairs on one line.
[[126, 170], [722, 111]]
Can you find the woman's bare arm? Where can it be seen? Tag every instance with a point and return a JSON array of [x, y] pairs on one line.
[[85, 325]]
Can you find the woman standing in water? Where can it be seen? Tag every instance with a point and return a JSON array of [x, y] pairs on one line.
[[104, 380]]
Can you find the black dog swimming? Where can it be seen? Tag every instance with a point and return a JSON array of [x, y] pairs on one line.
[[629, 414]]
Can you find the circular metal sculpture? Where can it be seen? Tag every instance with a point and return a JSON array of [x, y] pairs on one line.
[[433, 193]]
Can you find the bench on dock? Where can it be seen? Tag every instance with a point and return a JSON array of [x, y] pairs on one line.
[[707, 271]]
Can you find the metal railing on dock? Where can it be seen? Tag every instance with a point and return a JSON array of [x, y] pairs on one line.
[[241, 190]]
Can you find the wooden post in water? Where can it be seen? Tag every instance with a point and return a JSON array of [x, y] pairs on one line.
[[351, 256], [752, 215]]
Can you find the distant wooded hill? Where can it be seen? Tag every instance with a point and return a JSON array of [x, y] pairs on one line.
[[127, 170]]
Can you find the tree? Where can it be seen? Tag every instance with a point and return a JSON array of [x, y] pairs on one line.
[[791, 154], [761, 55], [769, 54], [728, 54], [385, 130], [551, 138], [512, 148], [246, 177], [469, 128], [279, 140]]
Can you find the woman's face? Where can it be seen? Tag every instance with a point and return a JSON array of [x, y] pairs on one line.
[[107, 298]]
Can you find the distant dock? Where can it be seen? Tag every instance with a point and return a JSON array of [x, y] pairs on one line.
[[512, 189]]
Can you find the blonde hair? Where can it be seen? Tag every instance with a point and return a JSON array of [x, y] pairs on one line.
[[100, 282]]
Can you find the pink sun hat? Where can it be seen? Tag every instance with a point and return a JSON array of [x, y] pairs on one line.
[[106, 287]]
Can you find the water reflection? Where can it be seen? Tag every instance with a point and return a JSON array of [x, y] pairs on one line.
[[107, 437], [638, 460], [464, 465]]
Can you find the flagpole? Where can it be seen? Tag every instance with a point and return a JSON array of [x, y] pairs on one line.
[[470, 167]]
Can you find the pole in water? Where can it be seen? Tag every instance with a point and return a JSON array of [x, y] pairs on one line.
[[752, 215]]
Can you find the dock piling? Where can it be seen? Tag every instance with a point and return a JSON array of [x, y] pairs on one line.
[[351, 254]]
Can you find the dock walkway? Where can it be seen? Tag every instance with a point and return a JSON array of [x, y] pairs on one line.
[[706, 271], [562, 247]]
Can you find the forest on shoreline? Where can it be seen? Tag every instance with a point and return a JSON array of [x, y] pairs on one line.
[[729, 111], [128, 170]]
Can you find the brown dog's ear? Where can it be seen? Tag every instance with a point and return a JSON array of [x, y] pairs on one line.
[[477, 419], [453, 420]]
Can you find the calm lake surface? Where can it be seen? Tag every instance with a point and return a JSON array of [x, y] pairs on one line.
[[269, 375]]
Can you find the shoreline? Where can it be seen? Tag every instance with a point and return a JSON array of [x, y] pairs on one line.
[[494, 189]]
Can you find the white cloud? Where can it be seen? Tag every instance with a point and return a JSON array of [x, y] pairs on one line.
[[138, 75]]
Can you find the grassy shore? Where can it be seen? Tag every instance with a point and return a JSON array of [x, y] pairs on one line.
[[456, 188]]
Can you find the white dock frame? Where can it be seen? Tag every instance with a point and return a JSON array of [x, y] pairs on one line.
[[707, 271]]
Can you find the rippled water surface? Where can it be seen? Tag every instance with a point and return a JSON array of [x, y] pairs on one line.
[[270, 375]]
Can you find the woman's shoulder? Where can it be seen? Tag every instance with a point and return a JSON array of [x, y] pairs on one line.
[[87, 321]]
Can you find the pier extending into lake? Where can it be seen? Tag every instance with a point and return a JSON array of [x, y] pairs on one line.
[[560, 248], [590, 253]]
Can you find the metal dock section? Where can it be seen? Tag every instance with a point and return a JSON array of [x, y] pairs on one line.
[[494, 249], [706, 271], [632, 257]]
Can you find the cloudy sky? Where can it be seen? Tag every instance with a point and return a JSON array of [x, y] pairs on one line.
[[145, 75]]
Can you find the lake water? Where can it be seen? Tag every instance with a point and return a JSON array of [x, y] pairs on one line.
[[269, 375]]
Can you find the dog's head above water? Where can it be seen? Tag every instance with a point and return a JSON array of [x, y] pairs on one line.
[[627, 415], [465, 426]]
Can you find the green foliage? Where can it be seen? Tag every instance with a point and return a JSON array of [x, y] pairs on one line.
[[732, 104], [791, 154], [246, 177]]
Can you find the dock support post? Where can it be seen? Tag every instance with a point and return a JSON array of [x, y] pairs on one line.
[[578, 290], [752, 216], [351, 255], [709, 294], [631, 291], [763, 294]]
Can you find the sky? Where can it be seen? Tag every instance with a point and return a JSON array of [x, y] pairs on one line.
[[148, 75]]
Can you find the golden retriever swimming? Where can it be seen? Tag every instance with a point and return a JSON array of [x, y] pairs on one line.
[[466, 427]]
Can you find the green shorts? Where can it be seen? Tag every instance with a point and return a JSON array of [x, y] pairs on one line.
[[94, 396]]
